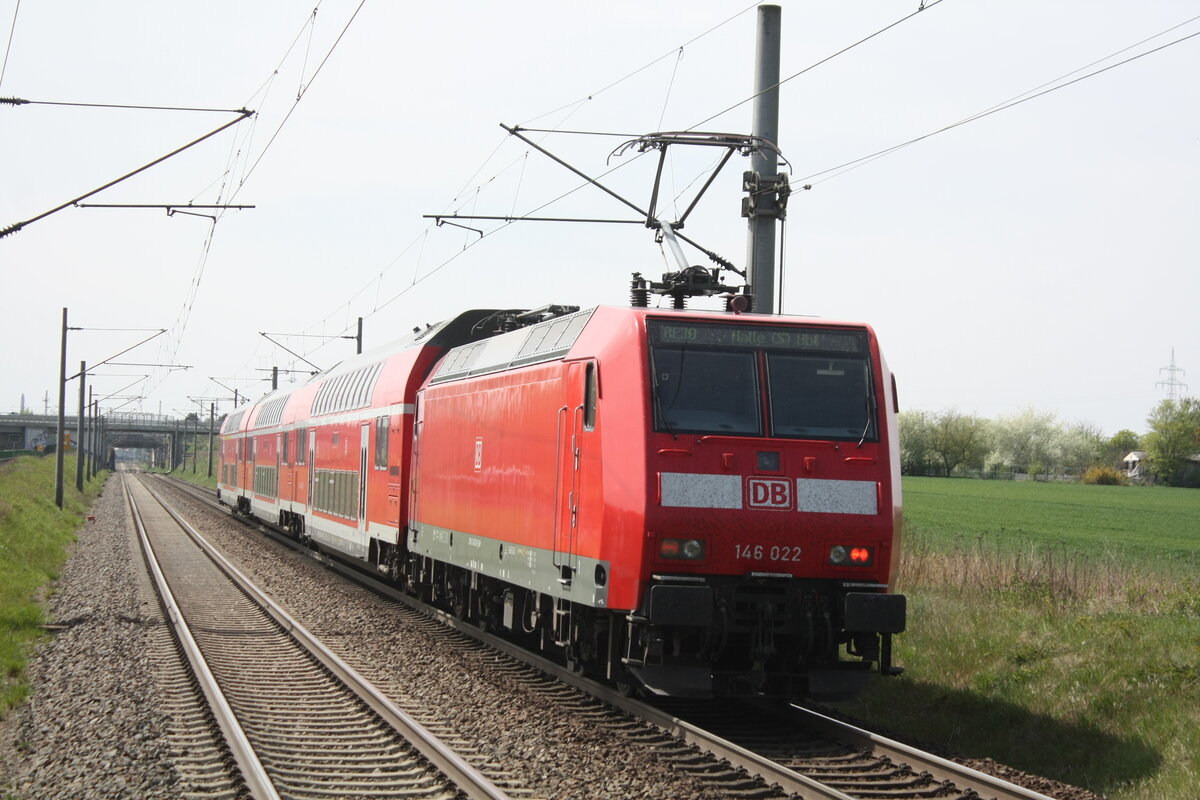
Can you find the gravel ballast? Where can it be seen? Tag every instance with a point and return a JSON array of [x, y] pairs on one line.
[[95, 726]]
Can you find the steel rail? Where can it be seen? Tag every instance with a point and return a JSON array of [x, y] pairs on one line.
[[963, 777], [940, 768], [766, 769], [762, 767], [257, 781], [469, 780]]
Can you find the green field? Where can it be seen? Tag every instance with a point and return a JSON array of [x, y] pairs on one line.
[[1151, 525], [1055, 628]]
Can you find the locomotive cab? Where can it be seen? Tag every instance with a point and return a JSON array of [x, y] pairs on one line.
[[776, 510]]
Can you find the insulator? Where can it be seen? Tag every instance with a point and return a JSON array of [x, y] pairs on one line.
[[679, 300], [639, 291]]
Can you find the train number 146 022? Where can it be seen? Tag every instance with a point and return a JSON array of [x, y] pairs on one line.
[[758, 552]]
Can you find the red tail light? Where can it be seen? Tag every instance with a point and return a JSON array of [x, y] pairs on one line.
[[846, 555]]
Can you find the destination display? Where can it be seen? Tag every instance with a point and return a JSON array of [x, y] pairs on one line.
[[757, 337]]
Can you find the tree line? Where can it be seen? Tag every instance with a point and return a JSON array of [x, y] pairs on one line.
[[1039, 444]]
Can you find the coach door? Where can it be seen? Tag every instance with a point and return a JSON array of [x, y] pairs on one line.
[[312, 465], [365, 439], [575, 418], [414, 467]]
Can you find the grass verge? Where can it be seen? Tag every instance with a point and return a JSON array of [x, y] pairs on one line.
[[34, 537], [200, 478], [1041, 638]]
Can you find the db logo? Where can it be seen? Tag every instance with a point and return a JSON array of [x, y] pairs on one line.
[[769, 493]]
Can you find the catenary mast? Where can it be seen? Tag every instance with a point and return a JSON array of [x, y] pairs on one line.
[[763, 181]]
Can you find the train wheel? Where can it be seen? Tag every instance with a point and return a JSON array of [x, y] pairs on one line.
[[458, 595], [572, 660]]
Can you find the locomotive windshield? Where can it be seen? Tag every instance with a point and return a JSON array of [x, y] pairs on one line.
[[760, 380]]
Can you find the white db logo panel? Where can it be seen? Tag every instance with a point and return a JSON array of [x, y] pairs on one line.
[[774, 493]]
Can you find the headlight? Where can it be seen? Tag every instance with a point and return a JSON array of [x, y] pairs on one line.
[[684, 549]]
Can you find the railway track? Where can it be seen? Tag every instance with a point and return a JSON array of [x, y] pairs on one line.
[[800, 751], [297, 721], [797, 750]]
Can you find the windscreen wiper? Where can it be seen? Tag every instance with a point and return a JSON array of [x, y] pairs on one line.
[[870, 418]]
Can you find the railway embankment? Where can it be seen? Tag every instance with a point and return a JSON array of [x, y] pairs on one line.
[[91, 725], [35, 537]]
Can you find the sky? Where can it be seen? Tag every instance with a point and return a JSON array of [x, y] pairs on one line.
[[1044, 256]]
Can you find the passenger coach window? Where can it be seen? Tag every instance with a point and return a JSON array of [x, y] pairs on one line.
[[301, 445], [381, 442], [780, 381]]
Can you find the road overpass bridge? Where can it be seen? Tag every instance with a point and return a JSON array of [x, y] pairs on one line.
[[166, 437]]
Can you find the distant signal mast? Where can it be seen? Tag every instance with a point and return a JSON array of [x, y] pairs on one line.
[[1173, 385]]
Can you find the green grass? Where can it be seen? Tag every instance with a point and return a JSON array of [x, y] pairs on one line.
[[1054, 628], [34, 536], [199, 477], [1150, 525]]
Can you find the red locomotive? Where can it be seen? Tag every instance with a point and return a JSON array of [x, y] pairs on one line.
[[695, 503]]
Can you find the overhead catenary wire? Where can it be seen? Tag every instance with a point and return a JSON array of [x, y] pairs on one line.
[[925, 6], [259, 99], [675, 51], [12, 29], [122, 106], [1020, 99], [299, 97], [496, 229], [376, 280], [670, 86], [678, 51], [312, 28], [643, 68], [184, 316]]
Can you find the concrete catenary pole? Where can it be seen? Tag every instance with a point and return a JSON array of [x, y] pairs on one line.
[[89, 471], [62, 417], [212, 416], [79, 429], [765, 125], [101, 453]]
